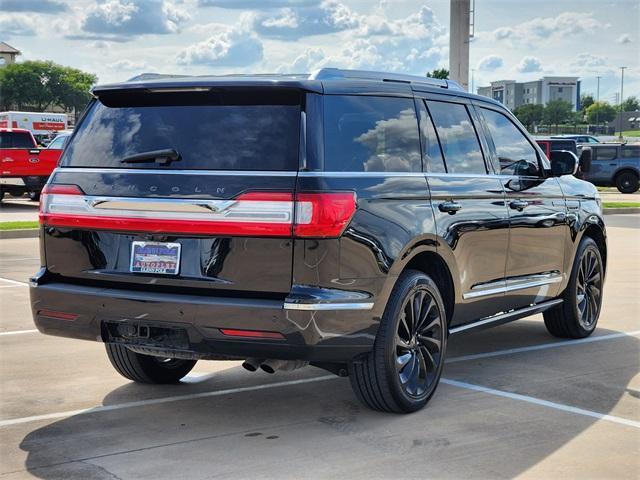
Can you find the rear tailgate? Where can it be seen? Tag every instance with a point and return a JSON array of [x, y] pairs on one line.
[[218, 216], [19, 162]]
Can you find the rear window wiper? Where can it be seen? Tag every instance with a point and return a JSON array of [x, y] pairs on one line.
[[161, 157]]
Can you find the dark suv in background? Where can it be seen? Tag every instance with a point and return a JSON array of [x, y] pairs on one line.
[[347, 219]]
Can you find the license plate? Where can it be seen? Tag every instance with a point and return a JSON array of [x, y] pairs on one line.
[[155, 257]]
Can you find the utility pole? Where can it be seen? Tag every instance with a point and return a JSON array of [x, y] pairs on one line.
[[598, 100], [621, 100], [473, 80], [459, 36]]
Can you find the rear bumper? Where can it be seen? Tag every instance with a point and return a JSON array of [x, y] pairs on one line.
[[324, 334]]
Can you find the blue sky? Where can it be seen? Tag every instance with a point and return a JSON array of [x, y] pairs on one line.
[[514, 39]]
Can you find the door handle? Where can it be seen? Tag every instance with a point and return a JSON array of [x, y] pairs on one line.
[[518, 205], [450, 207]]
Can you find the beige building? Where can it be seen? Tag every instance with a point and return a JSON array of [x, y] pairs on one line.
[[8, 54]]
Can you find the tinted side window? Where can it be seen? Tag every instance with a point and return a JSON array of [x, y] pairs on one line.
[[606, 153], [371, 134], [458, 138], [517, 156], [629, 151], [431, 153]]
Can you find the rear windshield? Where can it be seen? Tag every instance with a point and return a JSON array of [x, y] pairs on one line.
[[209, 130], [16, 140]]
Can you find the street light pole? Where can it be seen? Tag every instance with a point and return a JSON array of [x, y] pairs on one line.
[[621, 100], [597, 101]]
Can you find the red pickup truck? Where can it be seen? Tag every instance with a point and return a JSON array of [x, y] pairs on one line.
[[24, 168]]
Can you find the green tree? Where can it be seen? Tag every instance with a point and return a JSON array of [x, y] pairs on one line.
[[586, 100], [557, 112], [529, 114], [630, 104], [442, 73], [41, 85], [600, 112]]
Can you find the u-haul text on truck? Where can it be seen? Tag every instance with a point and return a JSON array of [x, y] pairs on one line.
[[38, 123]]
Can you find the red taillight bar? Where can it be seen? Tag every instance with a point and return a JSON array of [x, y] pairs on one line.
[[268, 214], [58, 315]]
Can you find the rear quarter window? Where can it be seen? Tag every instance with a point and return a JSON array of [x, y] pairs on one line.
[[211, 131], [371, 134]]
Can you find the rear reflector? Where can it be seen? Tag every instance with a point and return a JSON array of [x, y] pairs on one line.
[[268, 214], [252, 334], [58, 315]]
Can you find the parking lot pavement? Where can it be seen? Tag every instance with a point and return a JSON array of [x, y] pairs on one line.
[[514, 401], [18, 210]]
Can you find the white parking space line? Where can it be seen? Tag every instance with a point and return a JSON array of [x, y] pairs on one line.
[[14, 282], [159, 401], [19, 259], [543, 403], [18, 332], [544, 346]]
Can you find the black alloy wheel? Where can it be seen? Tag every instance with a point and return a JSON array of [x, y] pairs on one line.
[[589, 289], [419, 343], [577, 315], [402, 372]]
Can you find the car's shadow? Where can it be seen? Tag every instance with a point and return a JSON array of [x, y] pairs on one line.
[[316, 427]]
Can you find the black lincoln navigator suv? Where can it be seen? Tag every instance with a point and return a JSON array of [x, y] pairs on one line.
[[349, 220]]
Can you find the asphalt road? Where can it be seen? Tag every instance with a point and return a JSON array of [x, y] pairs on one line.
[[514, 402]]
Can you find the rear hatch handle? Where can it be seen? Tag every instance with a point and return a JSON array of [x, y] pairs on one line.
[[162, 157]]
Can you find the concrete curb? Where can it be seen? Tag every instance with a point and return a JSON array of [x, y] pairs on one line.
[[30, 233], [612, 211]]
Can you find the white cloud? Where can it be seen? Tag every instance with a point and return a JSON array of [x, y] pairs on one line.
[[413, 44], [291, 24], [563, 25], [256, 4], [231, 47], [624, 39], [128, 65], [17, 25], [118, 19], [529, 65], [490, 63]]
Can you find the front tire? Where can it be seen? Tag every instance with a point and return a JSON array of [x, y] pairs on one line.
[[147, 368], [627, 182], [403, 370], [577, 316]]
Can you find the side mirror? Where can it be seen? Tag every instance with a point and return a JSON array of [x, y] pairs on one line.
[[563, 162]]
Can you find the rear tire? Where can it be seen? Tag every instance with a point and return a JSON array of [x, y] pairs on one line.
[[577, 316], [627, 182], [403, 370], [33, 196], [147, 368]]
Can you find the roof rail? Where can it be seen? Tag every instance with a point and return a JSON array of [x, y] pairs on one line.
[[339, 73]]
